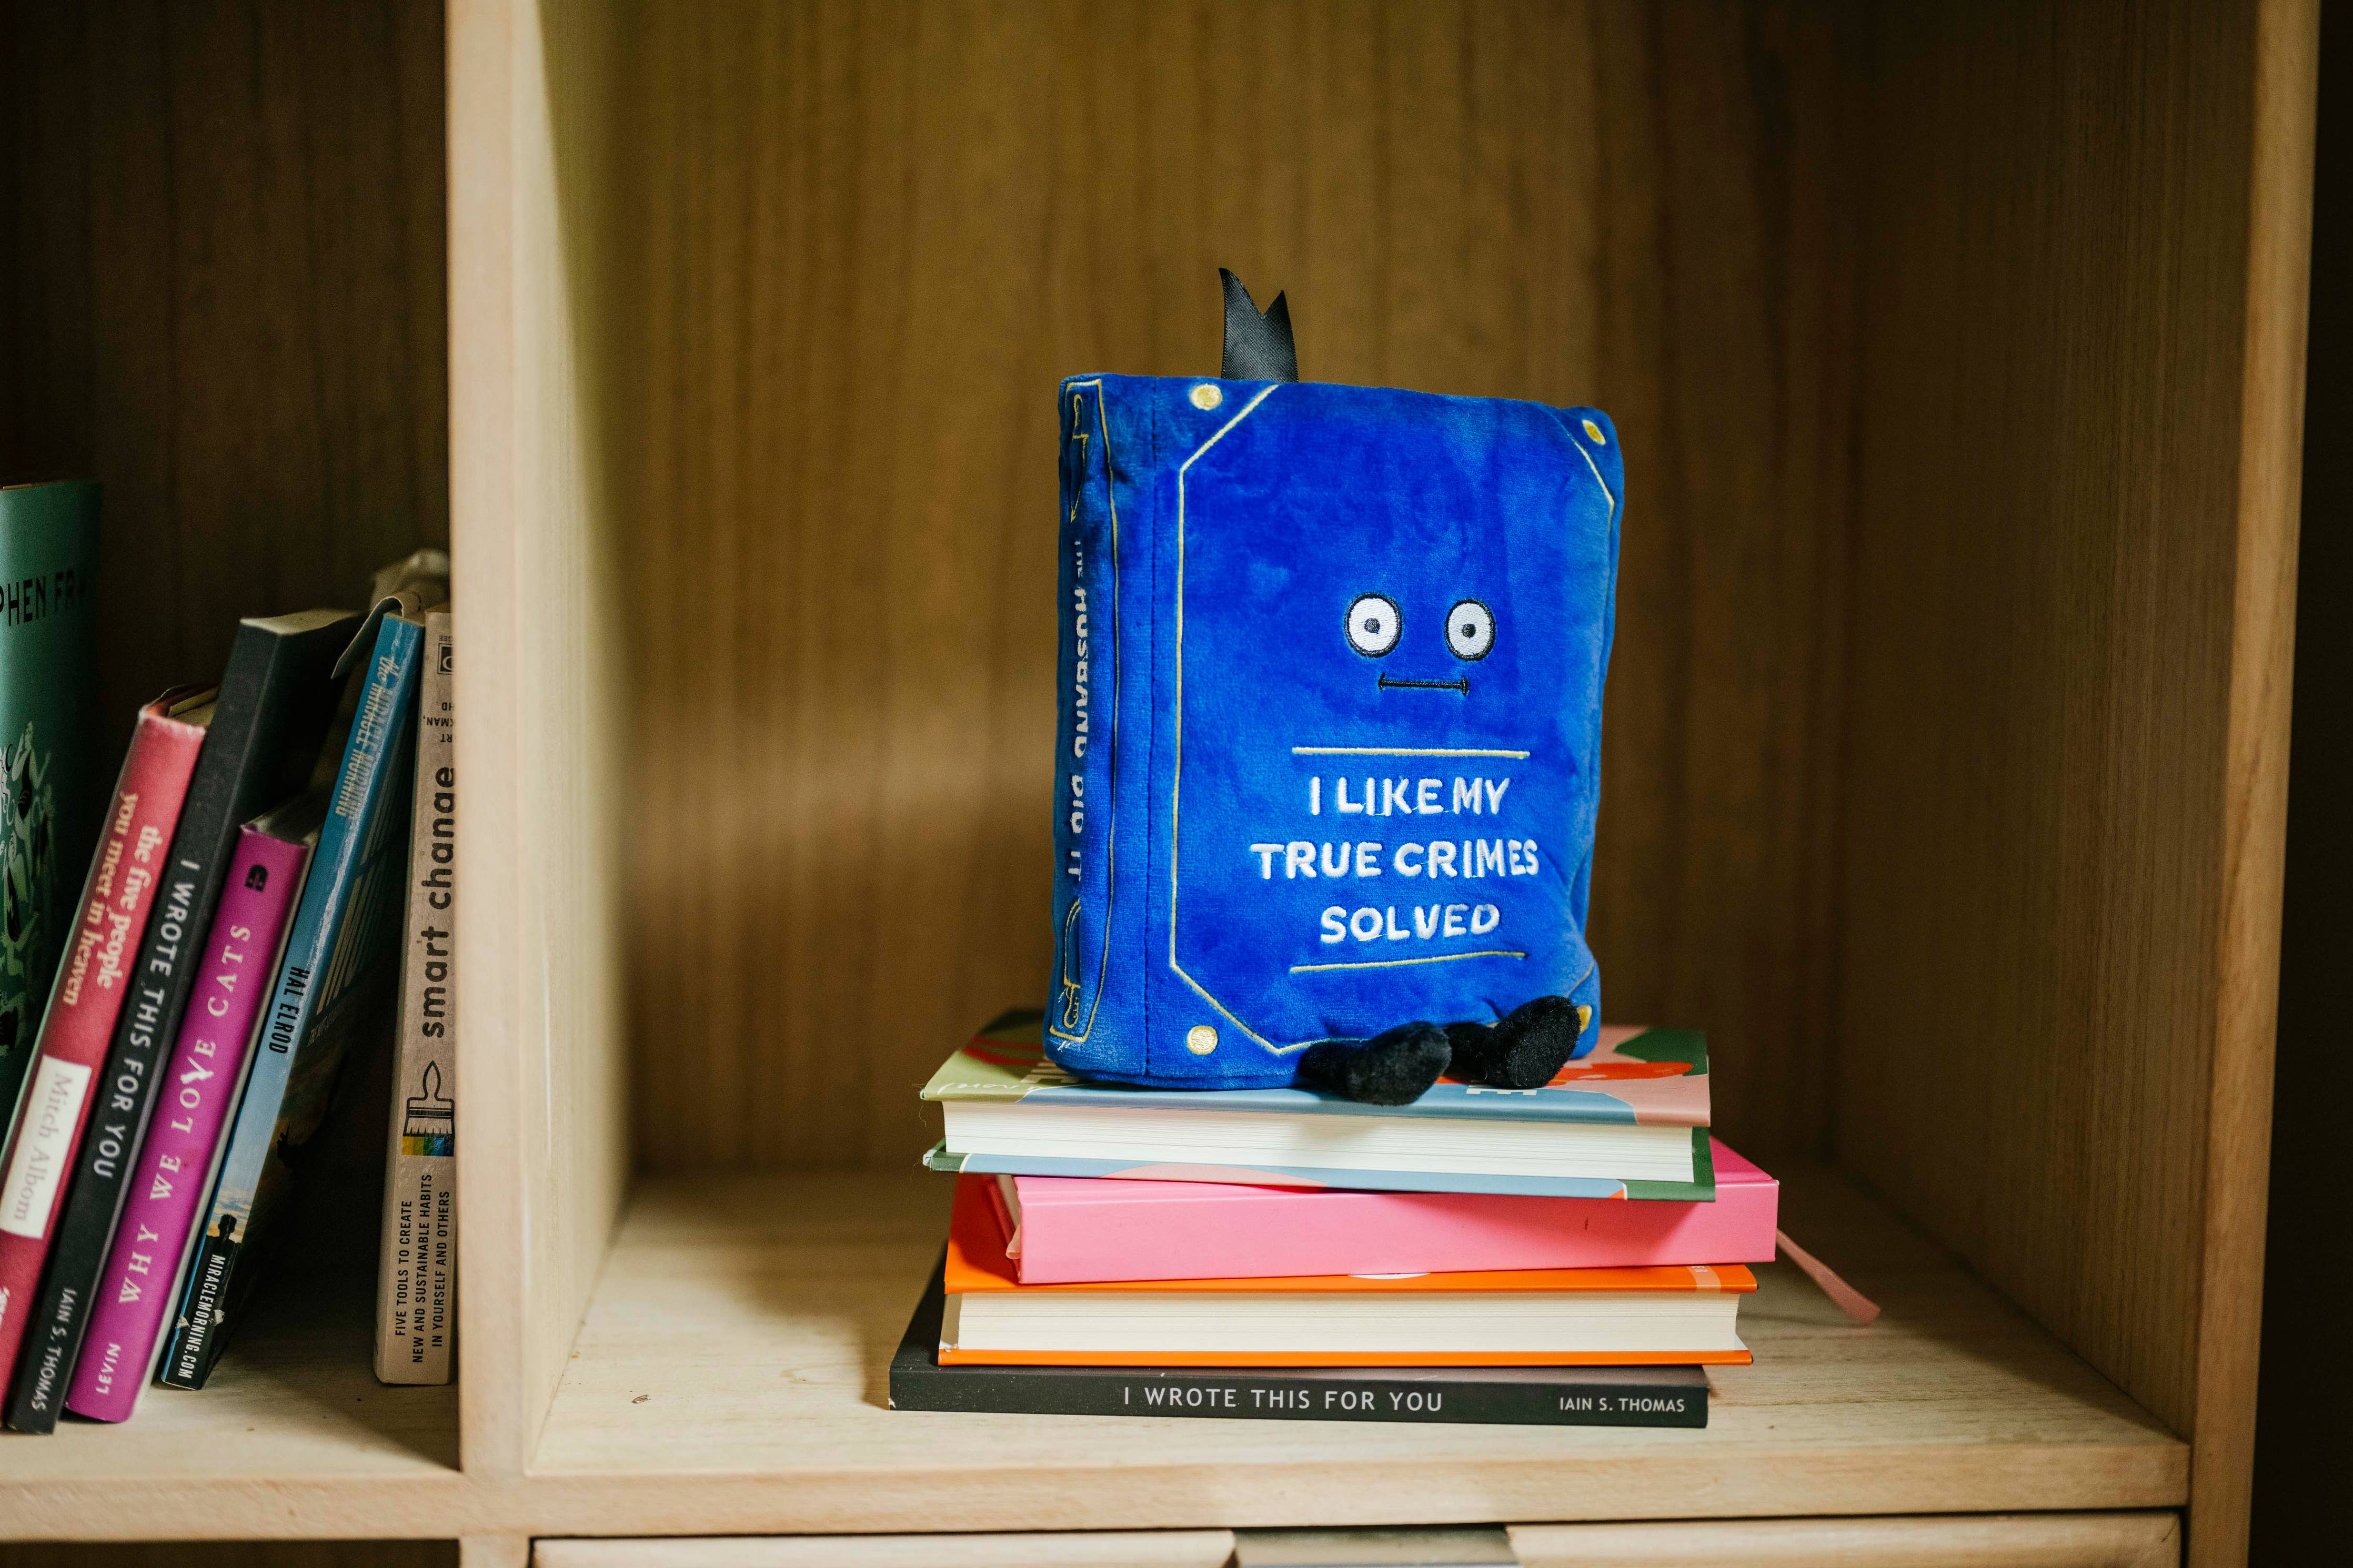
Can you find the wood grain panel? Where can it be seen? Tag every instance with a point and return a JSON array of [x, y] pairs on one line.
[[225, 287], [1979, 1540], [539, 677], [731, 1378], [863, 241], [2072, 604], [2255, 762], [1985, 1541], [2300, 1451], [1104, 1548], [292, 1435]]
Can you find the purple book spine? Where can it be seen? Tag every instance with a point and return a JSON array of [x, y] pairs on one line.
[[176, 1163]]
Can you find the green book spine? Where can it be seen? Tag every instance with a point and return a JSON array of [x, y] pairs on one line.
[[49, 787]]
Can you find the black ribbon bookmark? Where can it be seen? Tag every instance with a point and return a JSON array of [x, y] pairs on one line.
[[1258, 344]]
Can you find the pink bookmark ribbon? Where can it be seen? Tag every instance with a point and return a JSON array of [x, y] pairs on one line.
[[1849, 1299]]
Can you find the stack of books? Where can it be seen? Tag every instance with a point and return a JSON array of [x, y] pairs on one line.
[[179, 1035], [1572, 1254]]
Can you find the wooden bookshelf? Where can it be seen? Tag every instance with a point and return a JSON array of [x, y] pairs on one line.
[[732, 1369], [1957, 353], [293, 1436], [730, 1377]]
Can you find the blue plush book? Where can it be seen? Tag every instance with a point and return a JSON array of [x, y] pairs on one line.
[[1629, 1121], [331, 986], [1328, 758]]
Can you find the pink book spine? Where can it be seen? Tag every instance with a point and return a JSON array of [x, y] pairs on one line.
[[1075, 1230], [136, 1291], [54, 1108]]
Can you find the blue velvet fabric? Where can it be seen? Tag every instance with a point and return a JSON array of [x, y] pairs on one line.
[[1328, 757]]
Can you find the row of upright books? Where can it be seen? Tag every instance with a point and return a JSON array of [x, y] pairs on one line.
[[227, 973], [1573, 1254]]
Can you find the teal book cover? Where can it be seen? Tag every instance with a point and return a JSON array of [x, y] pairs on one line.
[[1637, 1076], [49, 786], [1632, 1078], [334, 985]]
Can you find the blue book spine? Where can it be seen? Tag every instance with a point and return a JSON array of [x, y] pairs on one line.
[[339, 953], [1087, 751]]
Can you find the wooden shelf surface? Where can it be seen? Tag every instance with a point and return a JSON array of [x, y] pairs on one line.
[[292, 1437], [730, 1377]]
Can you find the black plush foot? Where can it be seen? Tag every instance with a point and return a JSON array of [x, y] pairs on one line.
[[1473, 1046], [1521, 1051], [1396, 1067]]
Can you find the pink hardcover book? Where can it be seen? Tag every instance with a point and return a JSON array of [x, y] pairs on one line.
[[53, 1108], [173, 1176], [1071, 1229]]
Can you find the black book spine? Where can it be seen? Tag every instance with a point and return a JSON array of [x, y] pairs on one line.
[[274, 697], [1276, 1396], [1515, 1396]]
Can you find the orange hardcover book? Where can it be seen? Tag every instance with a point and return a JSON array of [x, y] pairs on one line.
[[1674, 1315]]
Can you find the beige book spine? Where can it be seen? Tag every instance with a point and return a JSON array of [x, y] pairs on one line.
[[416, 1284]]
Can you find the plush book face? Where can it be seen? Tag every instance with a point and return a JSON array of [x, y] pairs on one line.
[[1332, 666], [1391, 620]]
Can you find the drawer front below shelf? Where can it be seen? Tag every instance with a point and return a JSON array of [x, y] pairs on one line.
[[1929, 1541], [1070, 1549], [2143, 1539]]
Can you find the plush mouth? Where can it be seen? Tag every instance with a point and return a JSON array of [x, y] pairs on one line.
[[1462, 686]]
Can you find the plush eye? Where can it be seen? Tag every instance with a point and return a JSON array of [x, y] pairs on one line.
[[1372, 624], [1470, 629]]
